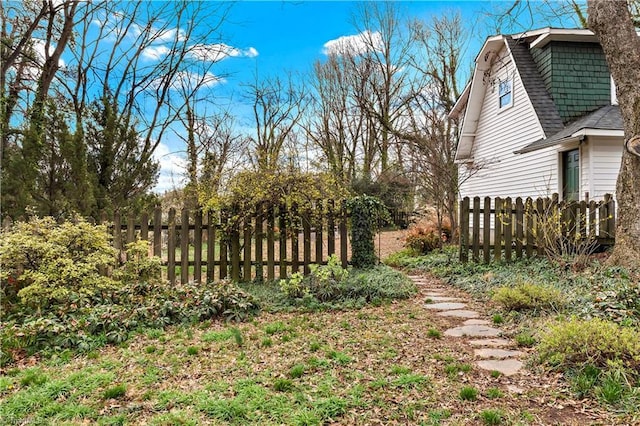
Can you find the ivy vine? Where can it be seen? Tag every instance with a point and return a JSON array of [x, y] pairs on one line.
[[367, 214]]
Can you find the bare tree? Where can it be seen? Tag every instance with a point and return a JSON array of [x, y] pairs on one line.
[[214, 149], [434, 134], [334, 124], [278, 107], [613, 23], [380, 69]]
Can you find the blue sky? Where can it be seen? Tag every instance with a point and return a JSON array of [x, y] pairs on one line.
[[288, 36]]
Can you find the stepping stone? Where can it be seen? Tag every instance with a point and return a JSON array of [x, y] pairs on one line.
[[445, 306], [476, 322], [496, 353], [459, 313], [508, 367], [443, 298], [473, 331], [491, 342], [435, 294]]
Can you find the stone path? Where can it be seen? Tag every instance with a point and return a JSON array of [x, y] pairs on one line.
[[492, 352]]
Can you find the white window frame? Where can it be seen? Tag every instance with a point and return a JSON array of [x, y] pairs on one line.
[[501, 83]]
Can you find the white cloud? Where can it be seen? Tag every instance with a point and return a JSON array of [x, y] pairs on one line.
[[219, 51], [172, 169], [168, 35], [32, 72], [39, 47], [188, 80], [155, 52], [192, 79], [357, 44]]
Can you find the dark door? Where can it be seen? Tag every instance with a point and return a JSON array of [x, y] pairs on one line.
[[571, 175]]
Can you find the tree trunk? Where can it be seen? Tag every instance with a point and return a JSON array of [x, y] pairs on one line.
[[612, 23]]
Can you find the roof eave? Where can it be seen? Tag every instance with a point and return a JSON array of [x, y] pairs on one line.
[[461, 103], [574, 137], [470, 103]]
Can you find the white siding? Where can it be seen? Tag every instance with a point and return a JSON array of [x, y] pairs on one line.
[[585, 170], [501, 132], [607, 155]]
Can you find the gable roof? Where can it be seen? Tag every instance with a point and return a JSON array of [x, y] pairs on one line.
[[470, 102], [540, 98], [518, 47], [607, 118]]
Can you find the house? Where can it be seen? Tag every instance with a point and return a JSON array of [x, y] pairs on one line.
[[540, 116]]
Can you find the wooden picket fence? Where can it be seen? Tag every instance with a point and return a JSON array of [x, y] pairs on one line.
[[503, 229], [266, 242]]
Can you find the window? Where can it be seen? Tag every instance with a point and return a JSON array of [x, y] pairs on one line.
[[505, 93]]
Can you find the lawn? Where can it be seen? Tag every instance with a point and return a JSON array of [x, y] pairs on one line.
[[374, 365]]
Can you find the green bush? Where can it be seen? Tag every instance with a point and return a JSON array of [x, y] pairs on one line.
[[378, 284], [332, 284], [323, 283], [45, 263], [80, 306], [527, 296], [575, 343]]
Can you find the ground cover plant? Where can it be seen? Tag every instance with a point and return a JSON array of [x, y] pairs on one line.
[[582, 322], [350, 347], [371, 365], [64, 286]]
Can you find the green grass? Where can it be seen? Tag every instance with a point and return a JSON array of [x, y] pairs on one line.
[[115, 392], [343, 363], [297, 371], [492, 417], [434, 334], [468, 393], [217, 336], [494, 393]]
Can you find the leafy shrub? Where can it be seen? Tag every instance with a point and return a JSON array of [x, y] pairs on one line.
[[45, 263], [576, 343], [325, 280], [323, 283], [426, 235], [422, 240], [139, 268], [527, 296], [378, 284], [333, 284], [525, 339], [90, 318]]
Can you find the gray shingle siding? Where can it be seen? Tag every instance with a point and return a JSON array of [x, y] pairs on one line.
[[575, 75], [541, 100]]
